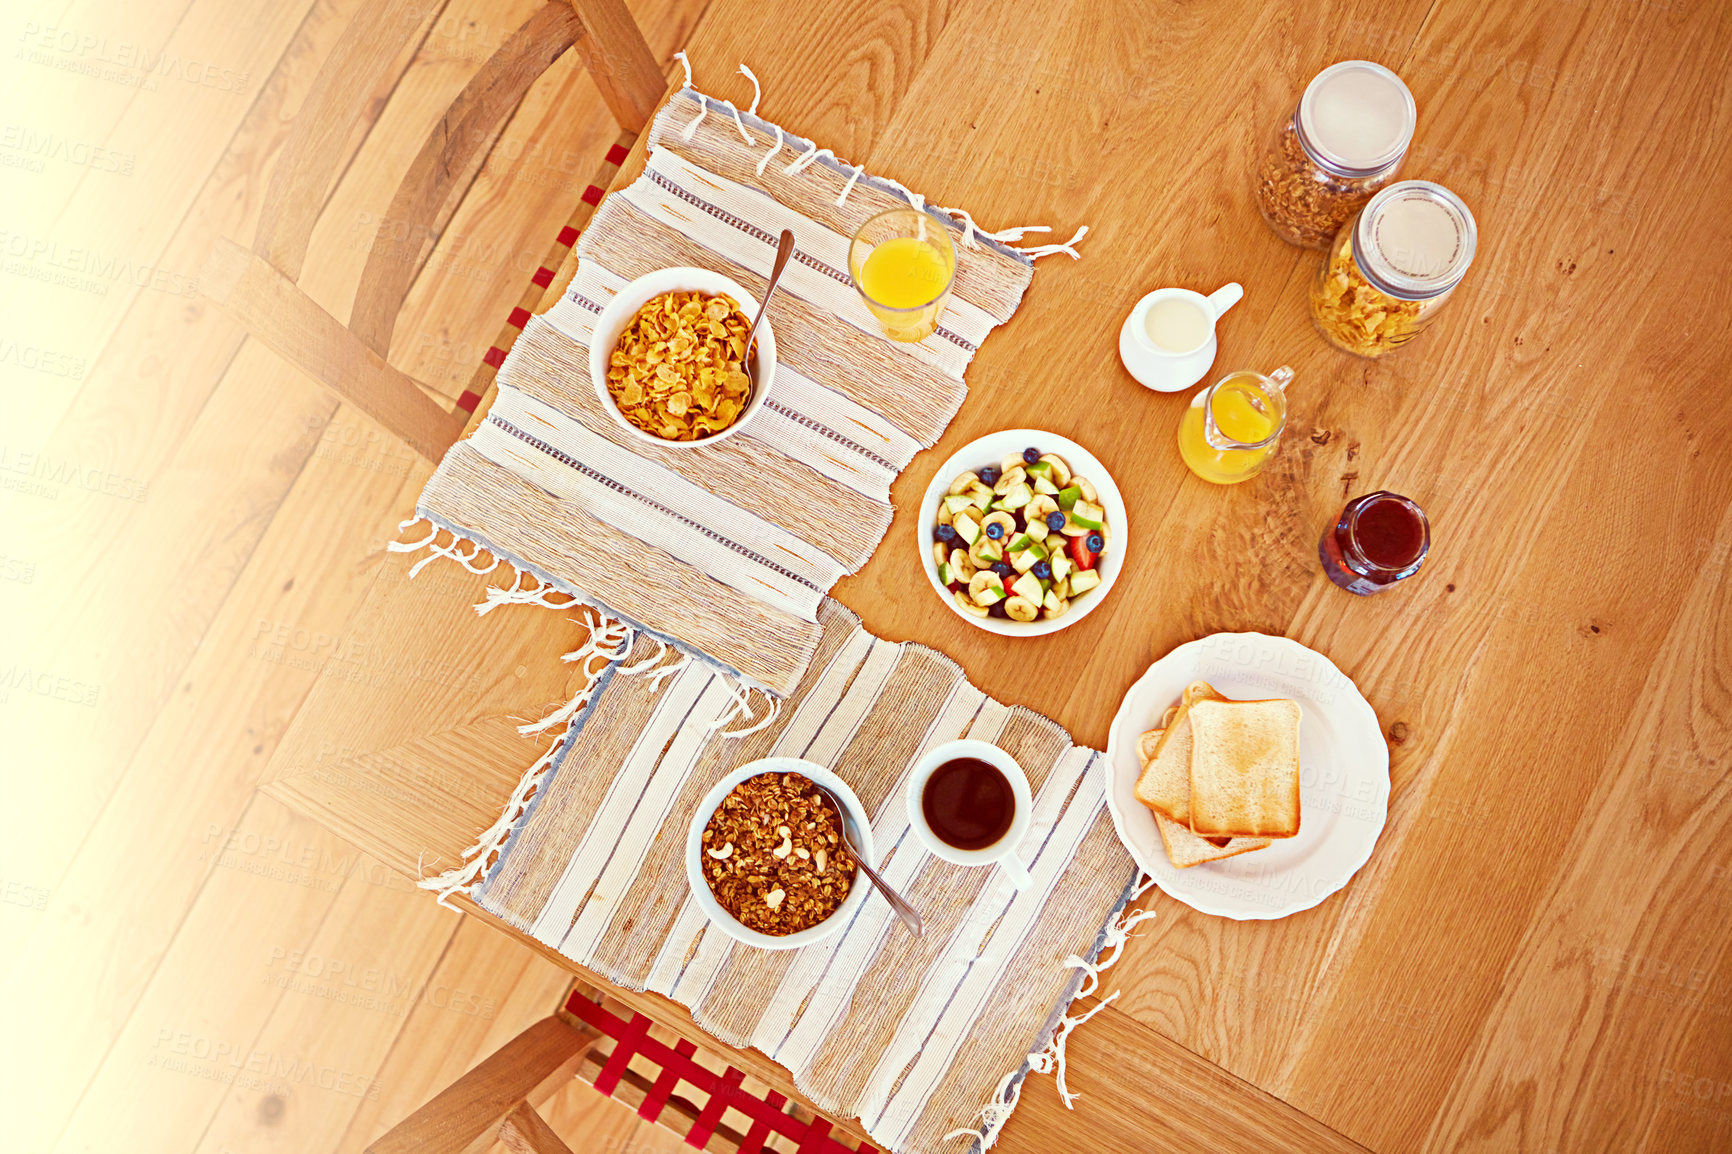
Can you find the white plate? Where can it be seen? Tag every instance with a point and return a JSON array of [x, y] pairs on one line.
[[859, 831], [1343, 776], [990, 450]]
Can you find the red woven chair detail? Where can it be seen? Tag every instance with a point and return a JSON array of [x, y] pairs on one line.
[[769, 1115]]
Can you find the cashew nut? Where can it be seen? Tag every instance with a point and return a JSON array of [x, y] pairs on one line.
[[719, 854]]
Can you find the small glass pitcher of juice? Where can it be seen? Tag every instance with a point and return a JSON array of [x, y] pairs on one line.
[[903, 263], [1231, 427]]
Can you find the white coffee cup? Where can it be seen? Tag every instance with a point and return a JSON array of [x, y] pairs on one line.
[[1164, 369], [1001, 852]]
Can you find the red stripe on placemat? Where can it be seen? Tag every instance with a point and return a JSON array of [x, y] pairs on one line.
[[617, 154], [628, 1039], [518, 318], [651, 1107], [567, 236], [468, 400], [495, 357], [592, 195], [542, 277]]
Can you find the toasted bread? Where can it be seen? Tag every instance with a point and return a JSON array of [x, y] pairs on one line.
[[1185, 849], [1244, 772], [1165, 784]]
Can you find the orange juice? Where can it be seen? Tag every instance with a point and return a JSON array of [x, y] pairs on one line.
[[904, 273], [1248, 416], [902, 262]]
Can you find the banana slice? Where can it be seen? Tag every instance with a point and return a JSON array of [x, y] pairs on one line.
[[939, 554], [986, 588], [1060, 470], [969, 607], [1010, 480], [962, 483], [1003, 519], [1014, 461], [1088, 490], [1072, 529], [945, 516], [962, 567], [985, 551], [1037, 509], [1021, 609]]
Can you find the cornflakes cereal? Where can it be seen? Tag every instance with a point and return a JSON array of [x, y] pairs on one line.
[[1354, 314], [678, 369]]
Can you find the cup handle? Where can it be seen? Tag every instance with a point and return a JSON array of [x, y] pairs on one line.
[[1018, 872], [1225, 298]]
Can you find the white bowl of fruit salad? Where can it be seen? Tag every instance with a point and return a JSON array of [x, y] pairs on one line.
[[1021, 532]]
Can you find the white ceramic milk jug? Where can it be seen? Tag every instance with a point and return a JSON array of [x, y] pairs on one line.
[[1168, 341]]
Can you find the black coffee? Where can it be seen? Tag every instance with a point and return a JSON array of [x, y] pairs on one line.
[[968, 803]]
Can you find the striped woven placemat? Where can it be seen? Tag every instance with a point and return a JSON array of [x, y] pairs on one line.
[[725, 551], [912, 1035]]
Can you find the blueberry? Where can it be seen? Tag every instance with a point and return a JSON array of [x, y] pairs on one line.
[[1002, 568], [1031, 455], [1095, 543], [1042, 570], [945, 533], [997, 610], [1055, 521], [996, 530], [989, 475]]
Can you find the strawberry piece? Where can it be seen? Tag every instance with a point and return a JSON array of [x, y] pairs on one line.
[[1079, 552]]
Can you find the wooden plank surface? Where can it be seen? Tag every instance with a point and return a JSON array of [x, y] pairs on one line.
[[1560, 666]]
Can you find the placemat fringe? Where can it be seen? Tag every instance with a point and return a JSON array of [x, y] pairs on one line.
[[610, 640], [1050, 1059], [806, 159]]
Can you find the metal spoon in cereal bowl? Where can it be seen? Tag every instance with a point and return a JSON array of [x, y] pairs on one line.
[[897, 903], [784, 250]]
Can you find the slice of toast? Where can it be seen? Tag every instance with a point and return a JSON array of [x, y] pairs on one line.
[[1165, 784], [1184, 848], [1244, 768]]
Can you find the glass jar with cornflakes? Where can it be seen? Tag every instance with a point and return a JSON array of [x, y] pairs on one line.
[[1341, 145], [1392, 267]]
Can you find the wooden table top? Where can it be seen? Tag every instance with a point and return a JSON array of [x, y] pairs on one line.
[[1535, 957]]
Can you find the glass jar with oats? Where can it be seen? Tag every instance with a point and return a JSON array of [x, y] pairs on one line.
[[1392, 267], [1342, 144]]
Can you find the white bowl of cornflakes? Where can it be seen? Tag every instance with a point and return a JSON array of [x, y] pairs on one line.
[[665, 358]]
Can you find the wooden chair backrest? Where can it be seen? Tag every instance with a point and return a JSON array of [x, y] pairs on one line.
[[258, 286]]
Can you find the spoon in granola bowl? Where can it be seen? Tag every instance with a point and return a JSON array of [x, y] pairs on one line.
[[902, 909]]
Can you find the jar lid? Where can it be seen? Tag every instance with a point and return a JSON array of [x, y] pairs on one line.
[[1414, 240], [1356, 118]]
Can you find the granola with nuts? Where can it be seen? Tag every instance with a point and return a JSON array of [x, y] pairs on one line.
[[1304, 203], [773, 854]]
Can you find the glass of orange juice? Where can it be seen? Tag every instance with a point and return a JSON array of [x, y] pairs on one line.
[[1230, 429], [903, 263]]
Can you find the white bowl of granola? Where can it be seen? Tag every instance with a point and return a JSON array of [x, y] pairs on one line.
[[765, 859]]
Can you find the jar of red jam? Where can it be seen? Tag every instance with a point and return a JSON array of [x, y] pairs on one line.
[[1379, 539]]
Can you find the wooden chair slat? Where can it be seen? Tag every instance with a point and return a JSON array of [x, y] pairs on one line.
[[617, 56], [320, 133], [526, 1132], [468, 1116], [292, 324], [446, 165]]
